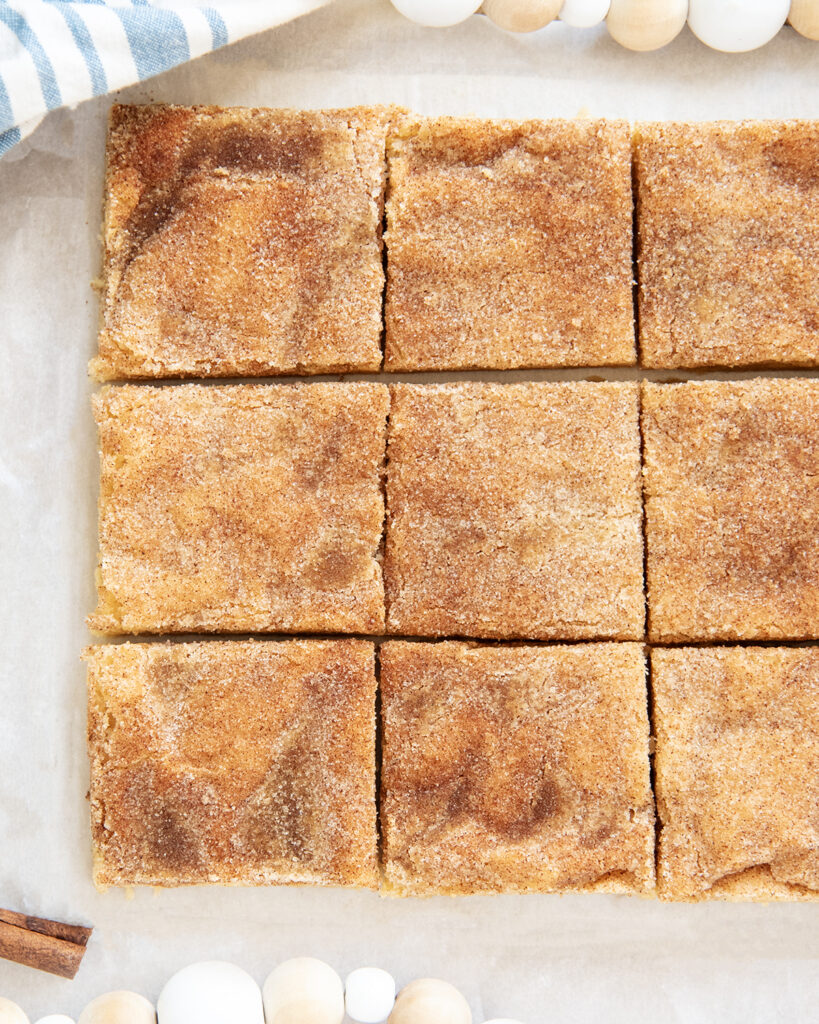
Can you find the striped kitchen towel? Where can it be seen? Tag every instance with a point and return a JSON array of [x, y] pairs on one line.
[[55, 53]]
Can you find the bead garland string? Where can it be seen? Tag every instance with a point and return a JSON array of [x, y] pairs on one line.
[[299, 991], [733, 26]]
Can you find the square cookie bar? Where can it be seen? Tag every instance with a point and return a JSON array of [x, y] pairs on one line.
[[509, 244], [237, 762], [249, 508], [242, 242], [737, 785], [515, 769], [728, 243], [732, 510], [514, 511]]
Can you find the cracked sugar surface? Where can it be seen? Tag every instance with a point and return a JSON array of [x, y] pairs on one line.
[[728, 243], [737, 745], [242, 242], [515, 769], [249, 508], [509, 244], [514, 511], [242, 762], [732, 509]]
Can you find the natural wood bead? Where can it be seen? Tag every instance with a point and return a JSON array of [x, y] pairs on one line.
[[118, 1008], [427, 1000], [646, 24], [804, 17], [303, 991], [521, 15], [10, 1013]]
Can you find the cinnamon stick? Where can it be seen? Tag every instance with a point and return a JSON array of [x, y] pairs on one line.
[[56, 929], [45, 945]]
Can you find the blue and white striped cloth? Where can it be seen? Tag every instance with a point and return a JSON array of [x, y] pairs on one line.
[[55, 53]]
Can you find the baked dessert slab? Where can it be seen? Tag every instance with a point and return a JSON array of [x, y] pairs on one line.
[[509, 244], [732, 509], [728, 243], [514, 511], [242, 242], [248, 508], [515, 769], [241, 762], [737, 787]]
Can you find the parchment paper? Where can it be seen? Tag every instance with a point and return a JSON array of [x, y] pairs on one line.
[[557, 959]]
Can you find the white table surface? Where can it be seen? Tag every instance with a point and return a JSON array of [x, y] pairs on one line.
[[555, 959]]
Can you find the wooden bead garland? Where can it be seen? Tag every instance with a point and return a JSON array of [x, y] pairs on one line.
[[298, 991], [733, 26]]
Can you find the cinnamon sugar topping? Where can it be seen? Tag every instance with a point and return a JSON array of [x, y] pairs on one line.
[[239, 762]]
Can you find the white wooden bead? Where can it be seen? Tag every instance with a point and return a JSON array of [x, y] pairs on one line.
[[735, 26], [55, 1018], [584, 13], [369, 995], [211, 992], [10, 1013], [521, 15], [428, 1000], [118, 1008], [437, 13], [804, 17], [303, 991], [646, 24]]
